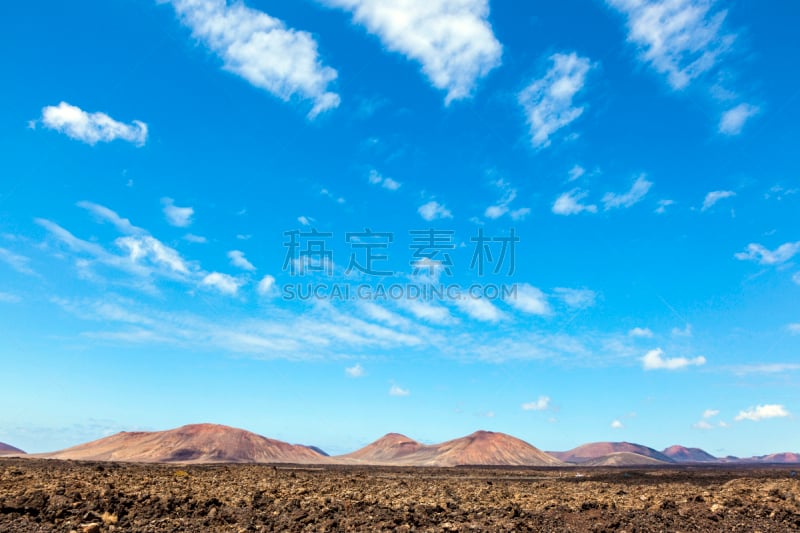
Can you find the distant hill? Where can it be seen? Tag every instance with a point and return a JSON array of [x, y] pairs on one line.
[[7, 449], [211, 443], [319, 450], [596, 450], [681, 454], [623, 459], [390, 448], [784, 458], [196, 443], [480, 448]]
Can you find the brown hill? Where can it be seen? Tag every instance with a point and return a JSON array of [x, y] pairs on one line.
[[681, 454], [785, 457], [623, 459], [196, 443], [595, 450], [388, 449], [7, 449], [480, 448]]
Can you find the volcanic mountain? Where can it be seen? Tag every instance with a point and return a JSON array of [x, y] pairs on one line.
[[390, 448], [7, 449], [595, 450], [681, 454], [786, 457], [623, 459], [197, 443], [480, 448]]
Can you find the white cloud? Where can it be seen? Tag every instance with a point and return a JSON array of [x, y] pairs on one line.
[[663, 205], [779, 193], [760, 254], [734, 119], [266, 285], [520, 214], [150, 249], [329, 194], [394, 390], [180, 217], [531, 300], [796, 278], [262, 50], [123, 225], [576, 298], [576, 172], [495, 211], [794, 329], [452, 39], [702, 424], [616, 424], [479, 309], [304, 220], [240, 261], [91, 128], [143, 256], [654, 360], [222, 282], [376, 178], [355, 371], [196, 239], [685, 332], [435, 314], [569, 203], [9, 298], [645, 333], [765, 368], [509, 194], [710, 413], [16, 261], [548, 101], [540, 404], [392, 185], [434, 210], [681, 39], [381, 314], [762, 412], [637, 192], [715, 196]]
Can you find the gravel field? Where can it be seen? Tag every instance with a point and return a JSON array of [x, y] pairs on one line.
[[53, 495]]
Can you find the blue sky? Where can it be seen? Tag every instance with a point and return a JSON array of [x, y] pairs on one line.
[[644, 152]]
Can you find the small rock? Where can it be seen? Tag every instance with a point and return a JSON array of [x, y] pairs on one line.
[[90, 528]]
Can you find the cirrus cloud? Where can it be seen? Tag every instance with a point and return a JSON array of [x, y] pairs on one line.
[[548, 101]]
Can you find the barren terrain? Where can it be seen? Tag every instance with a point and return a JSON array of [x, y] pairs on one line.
[[54, 495]]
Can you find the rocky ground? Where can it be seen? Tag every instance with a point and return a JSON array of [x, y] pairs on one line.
[[50, 495]]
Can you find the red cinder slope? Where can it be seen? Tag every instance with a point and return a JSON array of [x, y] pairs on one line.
[[388, 449], [479, 448], [596, 450], [785, 457], [7, 449], [196, 443], [683, 454]]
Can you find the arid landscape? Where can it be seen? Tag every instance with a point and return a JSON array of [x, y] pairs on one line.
[[46, 495], [206, 477]]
